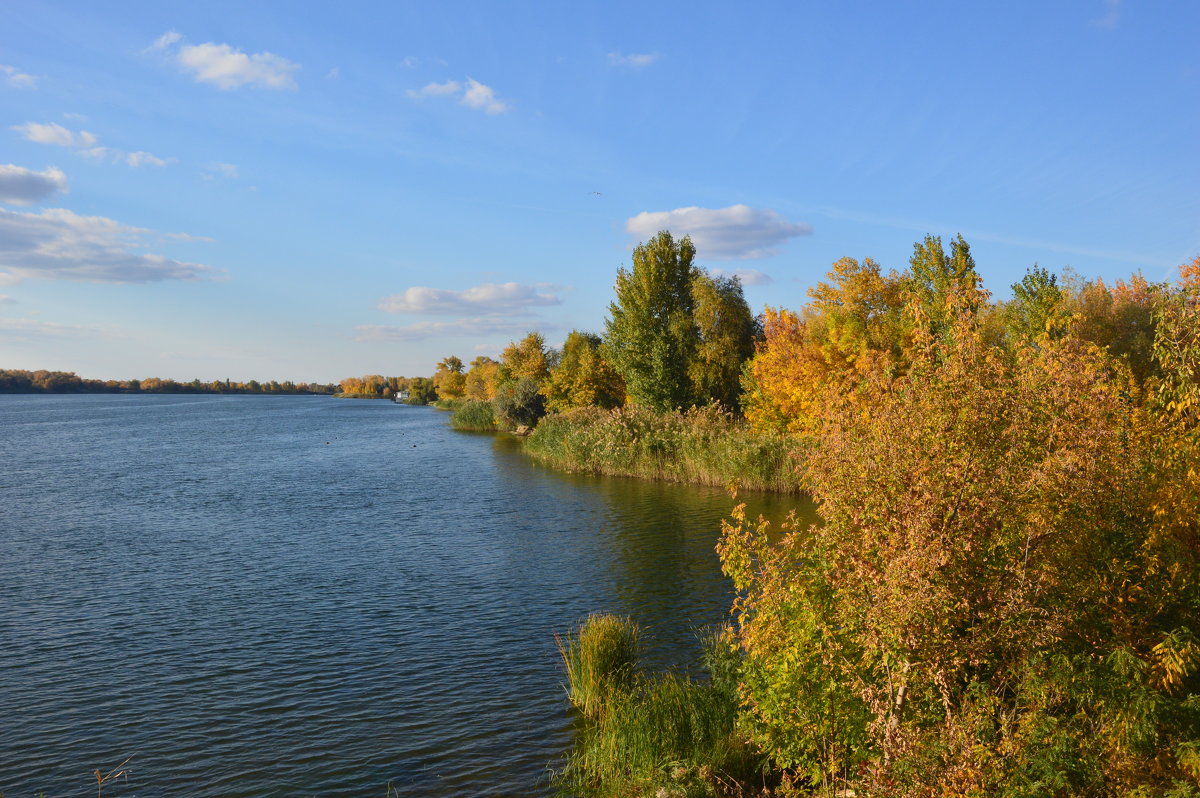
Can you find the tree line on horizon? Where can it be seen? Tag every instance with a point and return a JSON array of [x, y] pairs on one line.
[[43, 381]]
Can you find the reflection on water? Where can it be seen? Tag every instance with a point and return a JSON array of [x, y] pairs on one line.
[[306, 596]]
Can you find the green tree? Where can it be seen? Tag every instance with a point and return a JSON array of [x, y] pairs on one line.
[[1036, 308], [941, 286], [725, 330], [650, 336], [421, 391]]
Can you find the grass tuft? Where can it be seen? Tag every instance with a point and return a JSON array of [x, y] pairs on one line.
[[600, 659], [651, 735]]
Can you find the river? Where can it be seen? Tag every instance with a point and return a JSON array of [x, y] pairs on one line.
[[301, 596]]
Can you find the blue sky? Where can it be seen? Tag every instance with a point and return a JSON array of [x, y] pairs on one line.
[[298, 190]]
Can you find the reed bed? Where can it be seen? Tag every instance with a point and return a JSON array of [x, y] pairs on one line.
[[450, 404], [473, 415], [706, 446]]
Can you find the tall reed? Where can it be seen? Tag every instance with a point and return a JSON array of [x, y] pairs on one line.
[[705, 446], [600, 659], [644, 734], [473, 415]]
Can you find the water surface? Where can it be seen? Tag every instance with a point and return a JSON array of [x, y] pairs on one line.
[[308, 596]]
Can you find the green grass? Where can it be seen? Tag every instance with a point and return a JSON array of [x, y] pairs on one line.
[[650, 735], [704, 446], [473, 415], [600, 660]]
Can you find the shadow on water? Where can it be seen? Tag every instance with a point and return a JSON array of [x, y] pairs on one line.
[[657, 542]]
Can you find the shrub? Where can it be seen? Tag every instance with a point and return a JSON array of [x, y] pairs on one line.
[[519, 404]]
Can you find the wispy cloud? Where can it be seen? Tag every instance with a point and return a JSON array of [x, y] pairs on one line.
[[217, 169], [488, 299], [1111, 15], [227, 67], [472, 94], [84, 143], [18, 79], [738, 232], [435, 90], [21, 186], [57, 244], [437, 329], [633, 60], [5, 299], [746, 276], [166, 40], [33, 329]]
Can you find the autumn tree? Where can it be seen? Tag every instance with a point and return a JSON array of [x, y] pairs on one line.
[[855, 325], [582, 378], [482, 379], [448, 379], [1122, 319], [525, 359]]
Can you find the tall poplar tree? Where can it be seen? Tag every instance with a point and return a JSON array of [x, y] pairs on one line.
[[651, 337]]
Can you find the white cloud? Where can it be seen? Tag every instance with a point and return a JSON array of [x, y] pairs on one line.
[[166, 40], [333, 74], [52, 133], [632, 60], [746, 276], [136, 159], [84, 143], [410, 61], [226, 170], [57, 244], [227, 67], [491, 299], [21, 186], [1112, 15], [482, 98], [473, 95], [5, 299], [435, 90], [738, 232], [434, 329], [18, 79]]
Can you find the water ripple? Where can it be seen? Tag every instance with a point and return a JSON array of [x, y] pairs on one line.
[[304, 596]]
